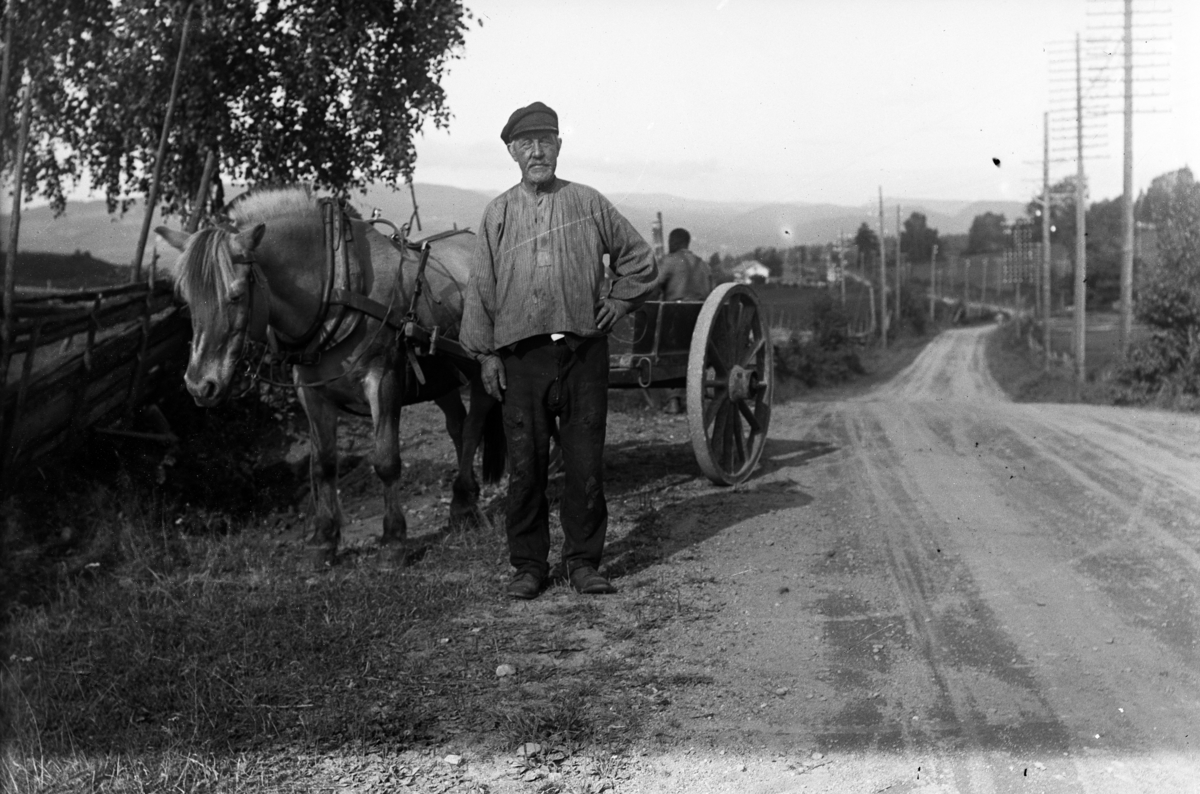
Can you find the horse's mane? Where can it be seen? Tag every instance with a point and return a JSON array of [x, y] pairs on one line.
[[262, 204], [204, 272]]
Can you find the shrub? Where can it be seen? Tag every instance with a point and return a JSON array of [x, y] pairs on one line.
[[1167, 364], [824, 357]]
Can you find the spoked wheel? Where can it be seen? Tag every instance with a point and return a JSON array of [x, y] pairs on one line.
[[729, 384]]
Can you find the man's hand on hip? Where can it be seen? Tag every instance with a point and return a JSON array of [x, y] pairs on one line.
[[609, 310], [494, 379]]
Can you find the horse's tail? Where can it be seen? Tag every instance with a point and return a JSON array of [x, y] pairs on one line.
[[495, 445]]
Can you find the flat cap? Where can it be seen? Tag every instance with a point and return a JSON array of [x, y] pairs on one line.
[[535, 117]]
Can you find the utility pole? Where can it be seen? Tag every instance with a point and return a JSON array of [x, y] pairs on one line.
[[899, 314], [1149, 65], [1080, 228], [1046, 216], [883, 317], [966, 264], [1127, 197], [842, 266], [933, 282]]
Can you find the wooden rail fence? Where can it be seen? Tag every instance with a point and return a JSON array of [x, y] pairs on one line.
[[74, 361]]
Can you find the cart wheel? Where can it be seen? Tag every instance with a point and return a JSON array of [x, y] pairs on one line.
[[729, 384]]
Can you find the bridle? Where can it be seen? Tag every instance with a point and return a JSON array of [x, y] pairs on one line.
[[253, 315]]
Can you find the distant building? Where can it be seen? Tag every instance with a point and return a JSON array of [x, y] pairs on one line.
[[751, 272]]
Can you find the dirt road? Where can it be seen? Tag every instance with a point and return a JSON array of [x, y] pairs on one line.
[[931, 588]]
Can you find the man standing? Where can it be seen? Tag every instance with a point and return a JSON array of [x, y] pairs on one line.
[[535, 320]]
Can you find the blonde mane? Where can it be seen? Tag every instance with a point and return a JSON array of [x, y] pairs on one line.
[[260, 205], [205, 273]]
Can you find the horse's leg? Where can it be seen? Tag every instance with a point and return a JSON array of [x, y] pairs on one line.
[[384, 392], [456, 423], [322, 426], [456, 415], [464, 506]]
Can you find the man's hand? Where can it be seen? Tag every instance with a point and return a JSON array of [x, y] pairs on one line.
[[609, 310], [494, 379]]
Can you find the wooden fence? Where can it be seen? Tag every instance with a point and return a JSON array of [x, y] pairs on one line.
[[74, 361]]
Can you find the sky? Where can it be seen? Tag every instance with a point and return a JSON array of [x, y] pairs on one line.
[[815, 101]]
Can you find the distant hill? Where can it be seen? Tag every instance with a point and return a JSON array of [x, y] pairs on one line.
[[43, 270], [87, 228], [725, 227]]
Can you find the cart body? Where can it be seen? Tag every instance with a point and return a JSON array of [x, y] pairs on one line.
[[720, 351]]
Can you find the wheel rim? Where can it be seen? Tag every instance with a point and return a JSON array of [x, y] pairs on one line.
[[729, 384]]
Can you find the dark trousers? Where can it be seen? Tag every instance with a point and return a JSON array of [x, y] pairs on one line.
[[548, 381]]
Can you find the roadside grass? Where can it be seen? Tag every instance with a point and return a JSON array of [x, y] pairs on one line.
[[142, 675], [1021, 372], [877, 366], [160, 652]]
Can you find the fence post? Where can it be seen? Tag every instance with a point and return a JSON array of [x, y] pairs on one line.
[[8, 421], [210, 167], [152, 198]]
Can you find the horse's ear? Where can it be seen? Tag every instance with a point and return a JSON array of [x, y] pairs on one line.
[[249, 239], [175, 239]]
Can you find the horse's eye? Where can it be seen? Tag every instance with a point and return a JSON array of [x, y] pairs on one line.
[[236, 297]]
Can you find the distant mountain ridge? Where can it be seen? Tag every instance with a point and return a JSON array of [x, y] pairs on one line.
[[724, 227]]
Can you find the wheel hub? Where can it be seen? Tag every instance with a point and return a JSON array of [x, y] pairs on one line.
[[740, 382]]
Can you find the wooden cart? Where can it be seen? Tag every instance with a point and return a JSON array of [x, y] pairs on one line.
[[720, 351]]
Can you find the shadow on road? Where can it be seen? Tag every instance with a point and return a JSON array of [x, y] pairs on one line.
[[676, 512]]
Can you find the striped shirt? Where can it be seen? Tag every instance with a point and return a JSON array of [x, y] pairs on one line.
[[539, 266]]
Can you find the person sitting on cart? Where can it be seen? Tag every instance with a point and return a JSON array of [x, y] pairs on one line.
[[535, 318], [682, 276]]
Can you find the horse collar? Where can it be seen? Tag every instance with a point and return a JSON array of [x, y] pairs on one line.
[[260, 310]]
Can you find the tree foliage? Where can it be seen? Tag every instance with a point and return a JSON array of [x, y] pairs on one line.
[[1062, 214], [918, 239], [866, 240], [1169, 297], [1105, 237], [330, 92], [1105, 233], [1168, 362], [988, 234]]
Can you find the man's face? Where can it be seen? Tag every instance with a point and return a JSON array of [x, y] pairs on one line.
[[537, 154]]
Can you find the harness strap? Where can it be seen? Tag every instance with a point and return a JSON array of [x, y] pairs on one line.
[[342, 278], [433, 238], [343, 297], [365, 305]]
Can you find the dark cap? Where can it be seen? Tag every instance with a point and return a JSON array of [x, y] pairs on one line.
[[536, 117]]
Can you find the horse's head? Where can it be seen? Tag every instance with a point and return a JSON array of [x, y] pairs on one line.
[[218, 278]]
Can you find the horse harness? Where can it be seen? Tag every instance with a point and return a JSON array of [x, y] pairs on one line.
[[344, 303]]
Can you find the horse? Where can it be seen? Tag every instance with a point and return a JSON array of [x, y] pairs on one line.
[[353, 333]]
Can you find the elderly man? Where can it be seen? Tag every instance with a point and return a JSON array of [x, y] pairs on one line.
[[535, 320]]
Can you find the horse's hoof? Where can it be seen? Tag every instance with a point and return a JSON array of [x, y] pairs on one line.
[[393, 554], [470, 517], [324, 556], [322, 539], [464, 517]]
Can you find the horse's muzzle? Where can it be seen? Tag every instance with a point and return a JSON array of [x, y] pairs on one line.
[[206, 392]]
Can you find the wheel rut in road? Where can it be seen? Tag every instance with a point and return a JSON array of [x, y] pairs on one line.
[[967, 580]]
